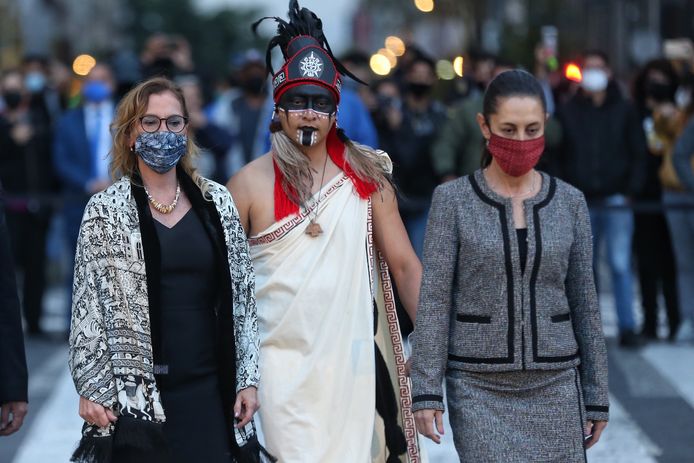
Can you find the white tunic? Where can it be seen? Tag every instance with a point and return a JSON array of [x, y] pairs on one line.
[[316, 317]]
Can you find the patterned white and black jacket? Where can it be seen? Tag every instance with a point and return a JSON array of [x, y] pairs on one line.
[[115, 293], [479, 312]]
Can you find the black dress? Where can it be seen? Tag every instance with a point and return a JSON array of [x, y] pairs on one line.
[[195, 426]]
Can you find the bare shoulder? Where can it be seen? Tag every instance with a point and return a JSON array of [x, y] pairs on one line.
[[384, 196], [254, 178], [253, 191]]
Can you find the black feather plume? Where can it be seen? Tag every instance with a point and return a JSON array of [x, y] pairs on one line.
[[302, 21]]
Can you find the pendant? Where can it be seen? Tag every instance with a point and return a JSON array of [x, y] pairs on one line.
[[314, 229]]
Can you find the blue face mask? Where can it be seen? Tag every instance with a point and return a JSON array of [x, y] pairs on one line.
[[96, 91], [161, 151], [35, 82]]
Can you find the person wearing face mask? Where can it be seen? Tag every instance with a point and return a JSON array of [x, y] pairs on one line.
[[508, 313], [654, 97], [323, 225], [45, 99], [602, 153], [28, 178], [245, 113], [81, 146], [409, 140], [164, 340]]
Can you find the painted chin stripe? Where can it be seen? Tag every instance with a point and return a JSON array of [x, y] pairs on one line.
[[307, 137]]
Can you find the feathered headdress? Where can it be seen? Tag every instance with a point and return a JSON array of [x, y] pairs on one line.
[[307, 54]]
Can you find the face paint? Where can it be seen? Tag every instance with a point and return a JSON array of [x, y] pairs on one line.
[[308, 98], [307, 113], [307, 136]]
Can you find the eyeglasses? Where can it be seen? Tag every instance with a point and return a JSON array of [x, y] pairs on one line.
[[151, 123]]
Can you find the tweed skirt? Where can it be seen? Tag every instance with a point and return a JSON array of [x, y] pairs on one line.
[[517, 416]]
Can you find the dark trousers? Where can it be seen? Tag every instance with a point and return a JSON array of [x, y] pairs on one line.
[[28, 232], [657, 271]]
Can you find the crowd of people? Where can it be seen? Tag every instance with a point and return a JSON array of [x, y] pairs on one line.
[[305, 264], [614, 140]]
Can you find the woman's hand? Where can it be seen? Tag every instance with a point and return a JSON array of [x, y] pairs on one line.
[[592, 431], [94, 413], [425, 423], [246, 405]]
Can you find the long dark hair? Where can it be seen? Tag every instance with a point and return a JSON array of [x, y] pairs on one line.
[[515, 82]]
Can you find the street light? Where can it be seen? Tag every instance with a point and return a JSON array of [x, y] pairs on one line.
[[395, 45], [426, 6], [392, 60], [458, 65], [445, 70], [573, 73], [379, 64], [83, 64]]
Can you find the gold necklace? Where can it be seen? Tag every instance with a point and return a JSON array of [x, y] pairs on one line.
[[314, 229], [164, 208]]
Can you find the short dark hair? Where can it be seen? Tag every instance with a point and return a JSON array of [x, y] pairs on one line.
[[595, 53], [421, 58]]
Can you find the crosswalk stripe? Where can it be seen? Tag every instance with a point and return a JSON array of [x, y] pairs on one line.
[[55, 432]]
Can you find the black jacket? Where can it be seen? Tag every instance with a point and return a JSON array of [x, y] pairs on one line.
[[409, 146], [13, 368], [603, 147]]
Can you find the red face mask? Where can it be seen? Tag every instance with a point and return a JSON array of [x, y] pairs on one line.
[[516, 157]]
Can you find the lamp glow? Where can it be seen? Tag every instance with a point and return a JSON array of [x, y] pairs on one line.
[[83, 64], [573, 72], [380, 65]]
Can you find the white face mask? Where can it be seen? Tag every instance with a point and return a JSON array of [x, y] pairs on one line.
[[594, 80], [683, 97]]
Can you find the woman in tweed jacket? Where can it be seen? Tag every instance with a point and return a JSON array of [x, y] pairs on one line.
[[164, 335], [508, 311]]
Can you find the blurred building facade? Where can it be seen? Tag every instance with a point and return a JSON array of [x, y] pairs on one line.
[[630, 31], [60, 28]]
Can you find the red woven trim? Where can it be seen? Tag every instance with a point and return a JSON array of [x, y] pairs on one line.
[[282, 89], [283, 205], [291, 83], [336, 150]]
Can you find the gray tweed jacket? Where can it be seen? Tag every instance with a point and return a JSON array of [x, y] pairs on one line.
[[479, 312]]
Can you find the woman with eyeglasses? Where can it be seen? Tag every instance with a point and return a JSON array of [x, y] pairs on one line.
[[164, 340]]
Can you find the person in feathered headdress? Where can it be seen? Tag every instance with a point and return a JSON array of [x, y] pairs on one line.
[[323, 225]]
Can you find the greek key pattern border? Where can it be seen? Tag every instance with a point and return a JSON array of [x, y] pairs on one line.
[[297, 220], [409, 427]]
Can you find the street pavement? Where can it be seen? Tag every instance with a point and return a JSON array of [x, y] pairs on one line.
[[651, 402]]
